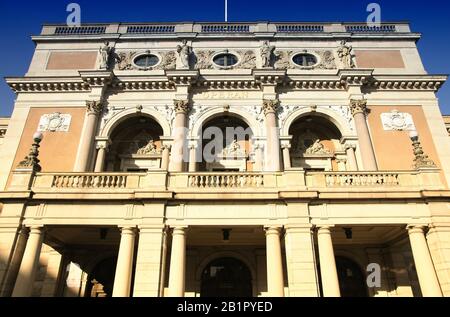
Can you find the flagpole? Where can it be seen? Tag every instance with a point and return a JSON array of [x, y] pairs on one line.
[[226, 10]]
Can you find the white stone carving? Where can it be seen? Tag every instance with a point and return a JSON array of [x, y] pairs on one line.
[[397, 121], [345, 112], [326, 59], [195, 113], [55, 122]]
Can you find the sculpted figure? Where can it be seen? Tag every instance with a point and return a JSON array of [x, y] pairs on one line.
[[266, 54], [105, 53], [183, 56], [345, 53]]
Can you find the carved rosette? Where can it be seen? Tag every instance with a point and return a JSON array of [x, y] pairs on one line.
[[270, 106], [358, 106], [94, 107], [182, 106]]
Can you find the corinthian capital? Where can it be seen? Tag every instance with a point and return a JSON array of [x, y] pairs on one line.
[[270, 106], [358, 106], [94, 107], [182, 106]]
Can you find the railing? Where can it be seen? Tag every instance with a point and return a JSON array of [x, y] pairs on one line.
[[364, 28], [299, 28], [225, 180], [148, 29], [220, 27], [361, 179], [291, 180], [100, 181], [80, 30], [225, 28]]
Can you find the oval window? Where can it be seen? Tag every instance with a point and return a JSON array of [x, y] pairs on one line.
[[146, 61], [225, 60], [304, 60]]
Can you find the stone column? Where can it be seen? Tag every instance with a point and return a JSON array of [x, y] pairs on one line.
[[124, 268], [352, 165], [94, 109], [359, 109], [14, 266], [177, 275], [273, 141], [192, 156], [258, 149], [328, 271], [102, 147], [182, 109], [438, 240], [428, 280], [165, 157], [275, 280], [30, 263], [300, 260], [286, 156]]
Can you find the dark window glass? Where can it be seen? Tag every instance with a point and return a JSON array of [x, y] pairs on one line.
[[225, 60], [145, 61], [305, 59]]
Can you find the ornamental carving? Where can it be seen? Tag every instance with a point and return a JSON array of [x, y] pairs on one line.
[[2, 133], [283, 60], [397, 121], [94, 107], [233, 150], [125, 61], [270, 106], [55, 122], [182, 106], [309, 143], [143, 144], [182, 61], [266, 54], [358, 106], [247, 60]]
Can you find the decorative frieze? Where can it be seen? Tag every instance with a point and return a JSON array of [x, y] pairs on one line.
[[283, 59], [397, 121], [55, 122]]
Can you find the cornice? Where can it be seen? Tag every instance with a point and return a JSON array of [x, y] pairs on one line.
[[340, 81]]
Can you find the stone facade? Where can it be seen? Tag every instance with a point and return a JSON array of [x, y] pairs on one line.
[[341, 172]]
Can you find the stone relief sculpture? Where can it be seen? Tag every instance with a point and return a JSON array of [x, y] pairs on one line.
[[104, 56], [183, 56], [345, 53], [317, 148], [203, 59], [55, 122], [248, 60], [266, 54], [397, 121], [283, 60], [234, 149], [125, 61], [169, 60], [149, 148]]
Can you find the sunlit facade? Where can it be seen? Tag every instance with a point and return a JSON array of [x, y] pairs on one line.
[[339, 172]]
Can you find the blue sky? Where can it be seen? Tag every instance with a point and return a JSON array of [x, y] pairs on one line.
[[21, 19]]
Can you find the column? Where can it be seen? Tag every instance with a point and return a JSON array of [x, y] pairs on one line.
[[94, 109], [258, 156], [438, 240], [428, 280], [275, 281], [150, 262], [124, 268], [14, 266], [178, 263], [182, 109], [165, 157], [300, 260], [286, 156], [30, 263], [101, 147], [328, 271], [352, 165], [359, 109], [273, 142], [192, 156]]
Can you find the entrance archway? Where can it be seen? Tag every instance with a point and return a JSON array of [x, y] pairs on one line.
[[101, 280], [352, 282], [226, 277]]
